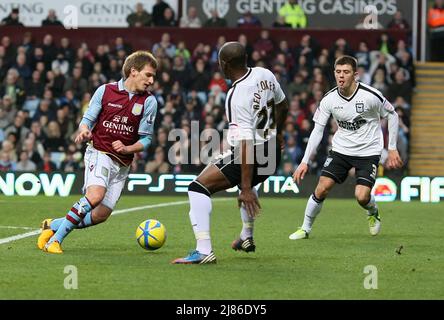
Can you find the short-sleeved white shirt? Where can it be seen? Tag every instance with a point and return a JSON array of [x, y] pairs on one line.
[[249, 106]]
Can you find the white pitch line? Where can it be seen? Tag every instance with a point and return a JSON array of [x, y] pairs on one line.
[[13, 227], [19, 236], [159, 205]]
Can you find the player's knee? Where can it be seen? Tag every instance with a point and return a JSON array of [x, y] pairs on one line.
[[196, 186], [95, 198], [363, 198]]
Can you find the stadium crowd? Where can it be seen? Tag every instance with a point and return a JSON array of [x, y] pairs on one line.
[[45, 88]]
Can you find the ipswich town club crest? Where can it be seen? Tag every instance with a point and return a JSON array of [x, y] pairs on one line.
[[359, 107], [137, 109]]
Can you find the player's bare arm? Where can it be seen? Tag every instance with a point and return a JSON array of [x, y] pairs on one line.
[[247, 197], [119, 147]]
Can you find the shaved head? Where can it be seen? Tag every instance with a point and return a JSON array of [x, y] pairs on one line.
[[232, 58], [232, 51]]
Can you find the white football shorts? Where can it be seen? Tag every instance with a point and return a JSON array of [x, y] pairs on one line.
[[102, 170]]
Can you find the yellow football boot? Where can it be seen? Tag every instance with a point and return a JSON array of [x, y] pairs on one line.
[[45, 234], [53, 247]]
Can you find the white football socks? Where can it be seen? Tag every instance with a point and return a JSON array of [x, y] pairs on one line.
[[371, 206], [247, 221], [200, 211], [312, 209]]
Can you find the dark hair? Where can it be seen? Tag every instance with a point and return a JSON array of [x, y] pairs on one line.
[[347, 60]]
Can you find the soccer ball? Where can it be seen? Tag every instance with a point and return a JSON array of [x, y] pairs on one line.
[[151, 234]]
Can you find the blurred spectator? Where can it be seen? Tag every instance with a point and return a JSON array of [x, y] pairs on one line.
[[215, 21], [22, 67], [47, 165], [264, 45], [168, 19], [54, 141], [166, 44], [12, 19], [9, 51], [242, 38], [400, 88], [363, 55], [71, 160], [76, 83], [218, 88], [158, 12], [49, 50], [379, 81], [248, 20], [158, 164], [363, 75], [293, 14], [60, 64], [13, 89], [398, 22], [139, 18], [66, 49], [51, 19], [435, 22], [386, 44], [25, 164], [18, 129], [191, 20], [183, 52], [280, 23], [33, 149], [6, 164], [199, 79]]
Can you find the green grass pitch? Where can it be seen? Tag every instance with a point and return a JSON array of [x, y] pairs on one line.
[[330, 265]]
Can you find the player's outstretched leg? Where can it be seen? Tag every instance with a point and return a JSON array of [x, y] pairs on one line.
[[245, 241], [50, 226], [78, 211]]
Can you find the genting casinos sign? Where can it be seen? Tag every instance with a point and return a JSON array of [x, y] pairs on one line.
[[424, 189]]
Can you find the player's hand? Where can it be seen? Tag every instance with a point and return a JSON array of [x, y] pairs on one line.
[[119, 147], [249, 199], [84, 135], [394, 160], [300, 172]]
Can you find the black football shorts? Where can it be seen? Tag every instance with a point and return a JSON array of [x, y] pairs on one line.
[[265, 164], [338, 165]]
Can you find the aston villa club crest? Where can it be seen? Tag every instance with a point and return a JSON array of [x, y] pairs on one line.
[[359, 107], [137, 109]]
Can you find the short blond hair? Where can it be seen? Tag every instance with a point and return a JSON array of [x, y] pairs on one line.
[[138, 60]]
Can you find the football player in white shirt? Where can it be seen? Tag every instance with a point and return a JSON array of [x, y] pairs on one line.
[[256, 109], [358, 143]]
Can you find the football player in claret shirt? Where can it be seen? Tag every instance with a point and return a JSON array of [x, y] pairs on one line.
[[118, 123], [358, 143]]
